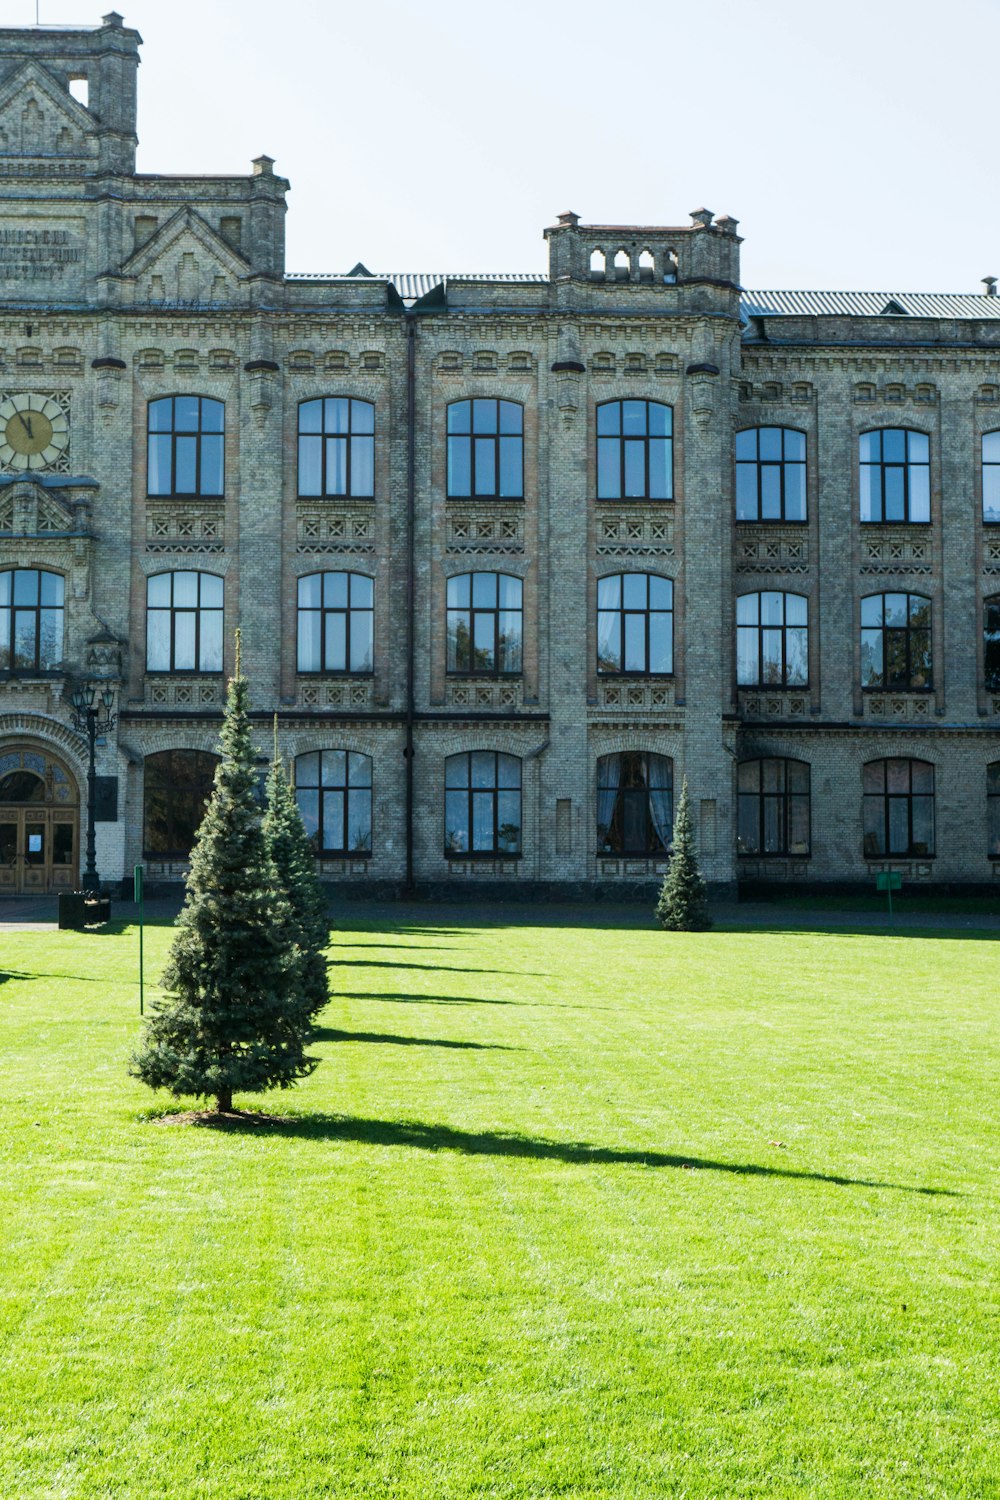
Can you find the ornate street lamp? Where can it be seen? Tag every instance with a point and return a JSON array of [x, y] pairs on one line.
[[92, 713]]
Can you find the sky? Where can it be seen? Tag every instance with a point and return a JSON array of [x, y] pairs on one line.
[[854, 142]]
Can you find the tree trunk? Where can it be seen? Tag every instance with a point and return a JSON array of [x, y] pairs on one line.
[[224, 1102]]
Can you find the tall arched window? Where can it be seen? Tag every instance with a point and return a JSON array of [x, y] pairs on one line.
[[895, 475], [334, 791], [176, 787], [486, 449], [991, 643], [185, 446], [484, 623], [184, 622], [772, 640], [635, 451], [770, 474], [337, 447], [993, 809], [336, 630], [635, 623], [898, 807], [635, 790], [991, 478], [773, 811], [482, 803], [896, 642], [31, 620]]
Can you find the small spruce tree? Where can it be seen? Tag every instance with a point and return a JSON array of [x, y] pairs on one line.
[[234, 1018], [289, 847], [683, 904]]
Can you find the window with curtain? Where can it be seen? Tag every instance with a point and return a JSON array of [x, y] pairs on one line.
[[337, 447], [333, 789], [482, 803], [176, 787], [770, 474], [185, 446], [184, 622], [895, 475], [898, 802], [635, 451], [31, 620], [772, 640], [486, 449], [773, 806], [991, 643], [896, 642], [634, 802], [635, 624], [336, 631], [484, 623]]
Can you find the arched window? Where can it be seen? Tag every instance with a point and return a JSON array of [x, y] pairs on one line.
[[991, 643], [773, 812], [334, 791], [485, 450], [185, 446], [635, 791], [895, 475], [484, 623], [184, 622], [770, 474], [993, 808], [176, 787], [335, 625], [898, 808], [772, 640], [31, 620], [337, 447], [635, 623], [482, 803], [896, 642], [991, 478], [635, 451]]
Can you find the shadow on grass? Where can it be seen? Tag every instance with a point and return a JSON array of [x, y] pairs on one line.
[[328, 1034], [387, 963], [420, 1137], [412, 997]]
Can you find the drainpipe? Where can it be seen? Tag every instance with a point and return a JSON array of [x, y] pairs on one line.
[[411, 491], [536, 755]]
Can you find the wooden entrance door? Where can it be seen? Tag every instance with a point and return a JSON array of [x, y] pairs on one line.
[[39, 824]]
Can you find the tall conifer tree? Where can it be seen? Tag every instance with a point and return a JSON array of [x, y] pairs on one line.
[[294, 860], [234, 1018], [683, 903]]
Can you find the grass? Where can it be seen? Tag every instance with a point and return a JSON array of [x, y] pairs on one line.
[[567, 1210]]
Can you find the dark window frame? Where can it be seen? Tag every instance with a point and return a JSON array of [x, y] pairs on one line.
[[654, 845], [785, 800], [624, 612], [623, 439], [11, 609], [198, 433], [349, 436], [993, 809], [890, 634], [346, 788], [493, 789], [178, 789], [351, 612], [991, 605], [783, 465], [197, 610], [759, 628], [493, 437], [881, 466], [473, 611], [888, 799], [989, 464]]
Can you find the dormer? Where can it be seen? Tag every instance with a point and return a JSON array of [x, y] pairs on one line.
[[706, 252]]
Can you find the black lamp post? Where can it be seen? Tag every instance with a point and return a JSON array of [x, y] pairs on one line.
[[92, 707]]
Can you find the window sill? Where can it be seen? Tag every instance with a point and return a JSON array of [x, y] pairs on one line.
[[481, 854], [340, 499], [485, 499], [182, 674], [190, 497], [892, 525], [771, 521], [634, 500]]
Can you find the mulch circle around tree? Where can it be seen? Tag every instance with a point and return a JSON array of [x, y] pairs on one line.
[[235, 1119]]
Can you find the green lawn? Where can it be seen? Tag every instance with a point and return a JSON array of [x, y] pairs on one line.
[[571, 1208]]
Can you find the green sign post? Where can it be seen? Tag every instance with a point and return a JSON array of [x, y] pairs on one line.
[[137, 877], [889, 881]]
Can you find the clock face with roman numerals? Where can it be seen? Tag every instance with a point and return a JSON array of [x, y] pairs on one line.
[[34, 431]]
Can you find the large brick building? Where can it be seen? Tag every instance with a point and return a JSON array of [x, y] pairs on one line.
[[511, 554]]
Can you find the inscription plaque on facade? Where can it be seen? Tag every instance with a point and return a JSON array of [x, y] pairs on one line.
[[35, 251]]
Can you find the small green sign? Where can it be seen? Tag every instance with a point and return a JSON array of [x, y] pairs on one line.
[[889, 880]]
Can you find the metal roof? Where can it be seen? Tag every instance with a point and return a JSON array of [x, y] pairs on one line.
[[870, 304], [413, 284]]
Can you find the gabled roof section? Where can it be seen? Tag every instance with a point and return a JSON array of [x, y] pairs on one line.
[[185, 224], [38, 117], [963, 305]]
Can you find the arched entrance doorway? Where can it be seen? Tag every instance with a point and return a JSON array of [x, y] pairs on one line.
[[39, 823]]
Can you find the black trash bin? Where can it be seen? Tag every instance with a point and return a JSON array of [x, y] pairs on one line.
[[72, 910]]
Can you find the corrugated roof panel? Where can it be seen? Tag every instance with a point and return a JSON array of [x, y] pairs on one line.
[[802, 304]]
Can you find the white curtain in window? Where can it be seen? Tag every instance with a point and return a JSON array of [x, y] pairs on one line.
[[660, 798], [609, 775]]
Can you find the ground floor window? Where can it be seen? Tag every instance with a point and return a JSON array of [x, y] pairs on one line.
[[482, 803], [898, 808], [773, 813], [993, 808], [634, 802], [177, 786], [334, 791]]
